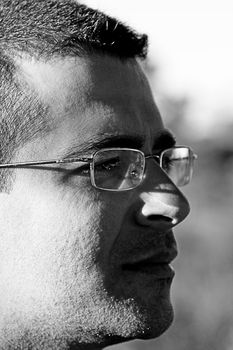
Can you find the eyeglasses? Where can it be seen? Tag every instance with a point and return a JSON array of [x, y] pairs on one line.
[[122, 169]]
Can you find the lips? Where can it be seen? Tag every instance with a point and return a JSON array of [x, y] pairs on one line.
[[162, 271], [157, 265]]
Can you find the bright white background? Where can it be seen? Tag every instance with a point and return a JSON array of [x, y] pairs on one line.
[[191, 42]]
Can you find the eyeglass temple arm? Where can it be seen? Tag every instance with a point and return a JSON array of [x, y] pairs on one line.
[[45, 162], [60, 161]]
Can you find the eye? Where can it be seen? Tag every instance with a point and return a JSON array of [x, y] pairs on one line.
[[168, 163], [108, 164], [80, 169]]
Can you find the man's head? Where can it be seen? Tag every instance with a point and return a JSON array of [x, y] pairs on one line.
[[79, 266], [45, 31]]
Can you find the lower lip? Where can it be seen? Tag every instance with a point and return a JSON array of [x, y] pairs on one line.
[[160, 271]]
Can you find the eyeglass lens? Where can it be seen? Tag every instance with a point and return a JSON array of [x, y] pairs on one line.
[[178, 164], [121, 169], [118, 169]]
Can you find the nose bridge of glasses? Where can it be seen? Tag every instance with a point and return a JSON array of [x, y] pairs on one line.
[[155, 157], [153, 166], [162, 177], [152, 156]]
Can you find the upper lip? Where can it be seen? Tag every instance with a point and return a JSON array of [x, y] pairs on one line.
[[159, 257]]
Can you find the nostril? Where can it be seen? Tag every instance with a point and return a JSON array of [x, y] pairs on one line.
[[159, 218], [156, 217]]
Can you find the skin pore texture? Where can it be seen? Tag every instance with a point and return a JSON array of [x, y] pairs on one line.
[[63, 242]]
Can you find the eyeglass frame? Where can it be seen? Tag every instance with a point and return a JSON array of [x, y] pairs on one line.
[[90, 160]]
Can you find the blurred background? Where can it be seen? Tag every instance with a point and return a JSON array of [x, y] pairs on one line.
[[190, 68]]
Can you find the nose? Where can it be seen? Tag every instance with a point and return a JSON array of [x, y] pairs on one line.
[[162, 204]]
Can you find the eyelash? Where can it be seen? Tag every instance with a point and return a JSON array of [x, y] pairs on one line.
[[81, 170]]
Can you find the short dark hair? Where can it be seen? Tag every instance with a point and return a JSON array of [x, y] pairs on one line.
[[45, 29]]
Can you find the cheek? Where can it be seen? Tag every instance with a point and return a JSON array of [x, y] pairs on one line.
[[54, 234], [58, 246], [48, 237]]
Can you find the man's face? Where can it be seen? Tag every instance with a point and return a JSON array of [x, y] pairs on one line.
[[78, 264]]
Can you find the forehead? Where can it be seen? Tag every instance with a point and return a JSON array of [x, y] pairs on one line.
[[94, 97]]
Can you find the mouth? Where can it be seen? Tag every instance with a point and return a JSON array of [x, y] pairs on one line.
[[160, 270], [157, 265]]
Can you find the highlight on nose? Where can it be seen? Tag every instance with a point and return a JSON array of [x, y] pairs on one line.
[[159, 204], [167, 208]]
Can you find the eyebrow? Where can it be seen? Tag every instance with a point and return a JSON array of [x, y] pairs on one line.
[[162, 140]]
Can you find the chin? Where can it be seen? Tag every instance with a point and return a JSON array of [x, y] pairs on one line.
[[156, 319], [148, 322], [156, 329], [150, 330], [150, 303]]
